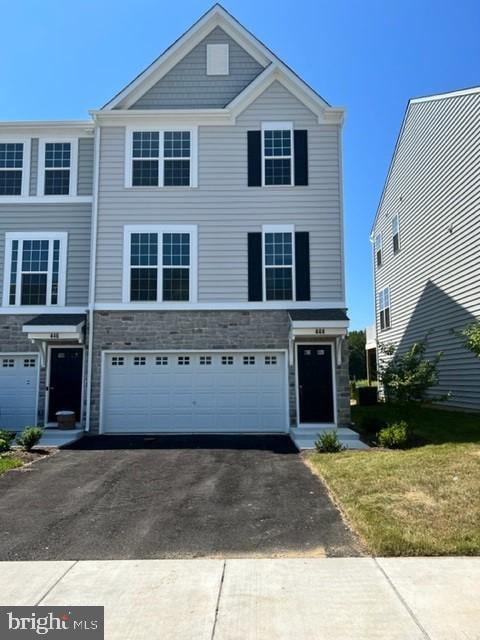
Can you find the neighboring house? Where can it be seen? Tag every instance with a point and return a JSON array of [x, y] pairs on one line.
[[176, 263], [425, 239]]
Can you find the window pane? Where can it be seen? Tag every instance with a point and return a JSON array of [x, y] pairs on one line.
[[57, 155], [146, 144], [278, 249], [34, 288], [11, 155], [277, 171], [176, 173], [145, 173], [177, 144], [278, 284], [57, 182], [35, 255], [176, 249], [277, 143], [143, 284], [10, 183], [13, 273], [176, 284], [396, 243], [144, 249], [55, 271]]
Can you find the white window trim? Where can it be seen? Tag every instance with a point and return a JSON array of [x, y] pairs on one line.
[[72, 190], [62, 267], [160, 229], [278, 126], [193, 155], [383, 307], [278, 228], [397, 218], [27, 143]]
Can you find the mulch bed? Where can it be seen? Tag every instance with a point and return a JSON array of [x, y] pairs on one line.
[[28, 457]]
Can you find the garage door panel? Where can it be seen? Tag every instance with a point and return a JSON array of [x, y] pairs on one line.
[[194, 392], [18, 390]]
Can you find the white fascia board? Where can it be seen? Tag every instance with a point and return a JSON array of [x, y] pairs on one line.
[[36, 310], [53, 328], [215, 306], [450, 94], [83, 129], [163, 117], [316, 324]]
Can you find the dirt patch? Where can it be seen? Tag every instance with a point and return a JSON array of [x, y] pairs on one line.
[[28, 457]]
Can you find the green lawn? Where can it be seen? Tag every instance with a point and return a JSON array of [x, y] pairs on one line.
[[7, 463], [422, 501]]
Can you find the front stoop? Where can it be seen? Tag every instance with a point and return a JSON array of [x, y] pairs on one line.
[[60, 437], [305, 437]]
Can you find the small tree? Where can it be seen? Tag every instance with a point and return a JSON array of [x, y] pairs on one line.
[[407, 377], [357, 355], [471, 338]]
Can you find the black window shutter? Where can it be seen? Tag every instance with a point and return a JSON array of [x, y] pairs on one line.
[[300, 138], [254, 267], [302, 265], [254, 158]]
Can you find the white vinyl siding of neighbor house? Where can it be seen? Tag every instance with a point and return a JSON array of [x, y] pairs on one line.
[[53, 218], [225, 208], [434, 279]]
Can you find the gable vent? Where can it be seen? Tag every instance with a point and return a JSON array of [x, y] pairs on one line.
[[217, 60]]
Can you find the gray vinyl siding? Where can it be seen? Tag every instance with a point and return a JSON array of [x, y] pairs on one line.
[[33, 167], [188, 86], [72, 218], [224, 208], [85, 166], [434, 186]]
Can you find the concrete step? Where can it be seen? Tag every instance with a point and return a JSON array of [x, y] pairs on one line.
[[305, 437]]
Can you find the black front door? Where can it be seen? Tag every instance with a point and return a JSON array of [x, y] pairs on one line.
[[65, 384], [315, 383]]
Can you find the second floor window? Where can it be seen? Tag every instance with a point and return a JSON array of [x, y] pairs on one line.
[[160, 265], [278, 258], [161, 159], [277, 154], [11, 168], [58, 164], [384, 308], [35, 269], [395, 234], [378, 249]]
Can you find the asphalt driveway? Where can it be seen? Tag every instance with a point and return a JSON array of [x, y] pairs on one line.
[[169, 497]]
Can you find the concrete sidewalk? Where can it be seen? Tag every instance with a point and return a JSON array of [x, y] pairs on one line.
[[281, 599]]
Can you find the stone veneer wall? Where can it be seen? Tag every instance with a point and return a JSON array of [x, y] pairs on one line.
[[343, 389]]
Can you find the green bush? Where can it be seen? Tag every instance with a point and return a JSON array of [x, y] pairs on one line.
[[6, 439], [395, 436], [328, 442], [29, 437]]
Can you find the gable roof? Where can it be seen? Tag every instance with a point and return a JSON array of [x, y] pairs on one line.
[[413, 101], [217, 16]]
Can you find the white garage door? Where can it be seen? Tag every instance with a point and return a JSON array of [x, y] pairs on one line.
[[194, 392], [18, 390]]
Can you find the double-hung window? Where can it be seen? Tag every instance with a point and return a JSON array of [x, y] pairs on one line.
[[277, 150], [278, 257], [57, 171], [395, 234], [384, 308], [35, 266], [161, 158], [13, 168], [160, 264], [378, 249]]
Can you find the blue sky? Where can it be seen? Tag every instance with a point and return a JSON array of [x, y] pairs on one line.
[[60, 58]]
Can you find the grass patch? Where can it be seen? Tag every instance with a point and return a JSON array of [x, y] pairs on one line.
[[7, 463], [422, 501]]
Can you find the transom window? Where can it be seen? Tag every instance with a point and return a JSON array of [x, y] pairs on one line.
[[161, 158], [139, 361], [277, 153], [248, 360], [8, 362], [205, 360], [160, 267], [395, 234], [29, 362], [228, 360], [161, 361], [35, 269], [278, 264], [384, 308], [270, 360], [58, 159], [11, 168], [118, 361]]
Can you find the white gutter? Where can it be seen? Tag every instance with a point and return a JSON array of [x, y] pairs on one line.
[[93, 262]]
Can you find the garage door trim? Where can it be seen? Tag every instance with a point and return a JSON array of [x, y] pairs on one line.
[[107, 352], [28, 354]]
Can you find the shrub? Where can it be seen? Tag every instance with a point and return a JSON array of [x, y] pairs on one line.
[[29, 437], [6, 439], [395, 436], [328, 442]]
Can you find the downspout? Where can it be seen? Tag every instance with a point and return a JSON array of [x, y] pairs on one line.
[[93, 262]]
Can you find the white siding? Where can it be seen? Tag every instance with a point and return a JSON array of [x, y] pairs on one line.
[[434, 186]]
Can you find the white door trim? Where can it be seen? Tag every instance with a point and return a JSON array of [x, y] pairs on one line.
[[334, 386], [29, 354], [105, 352], [47, 380]]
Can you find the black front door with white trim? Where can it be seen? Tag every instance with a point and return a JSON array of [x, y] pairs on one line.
[[65, 384], [315, 383]]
